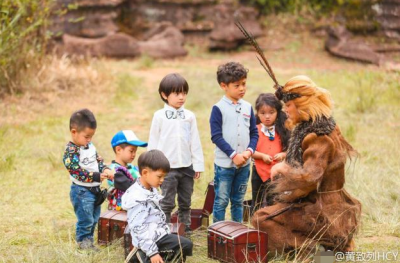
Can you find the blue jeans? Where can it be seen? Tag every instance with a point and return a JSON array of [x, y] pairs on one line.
[[230, 184], [87, 214]]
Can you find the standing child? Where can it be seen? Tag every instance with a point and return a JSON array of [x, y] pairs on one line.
[[124, 144], [86, 171], [146, 221], [174, 132], [271, 146], [234, 132]]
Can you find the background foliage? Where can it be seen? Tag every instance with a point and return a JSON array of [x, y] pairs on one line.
[[23, 38]]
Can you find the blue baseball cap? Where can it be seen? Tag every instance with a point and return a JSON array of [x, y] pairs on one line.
[[127, 136]]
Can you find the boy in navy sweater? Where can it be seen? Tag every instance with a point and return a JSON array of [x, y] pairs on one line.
[[235, 134]]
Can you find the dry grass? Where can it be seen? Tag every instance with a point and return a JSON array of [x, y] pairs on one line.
[[38, 220]]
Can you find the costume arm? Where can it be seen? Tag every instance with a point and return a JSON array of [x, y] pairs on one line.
[[216, 132], [71, 162], [299, 182], [195, 147], [154, 135], [253, 133]]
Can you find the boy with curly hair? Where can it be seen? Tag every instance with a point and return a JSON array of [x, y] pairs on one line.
[[235, 134]]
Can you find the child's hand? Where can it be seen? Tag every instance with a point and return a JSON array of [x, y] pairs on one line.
[[279, 157], [246, 154], [103, 176], [239, 160], [267, 158], [197, 175], [156, 259], [110, 174]]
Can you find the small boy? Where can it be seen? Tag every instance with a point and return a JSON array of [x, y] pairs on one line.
[[124, 144], [174, 132], [235, 134], [86, 171], [149, 230]]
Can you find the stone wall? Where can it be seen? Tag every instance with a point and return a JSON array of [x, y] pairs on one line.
[[207, 22], [388, 15]]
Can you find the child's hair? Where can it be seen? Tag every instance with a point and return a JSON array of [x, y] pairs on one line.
[[269, 99], [231, 72], [82, 119], [155, 160], [173, 83], [122, 145]]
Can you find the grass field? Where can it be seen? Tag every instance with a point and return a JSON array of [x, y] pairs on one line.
[[37, 219]]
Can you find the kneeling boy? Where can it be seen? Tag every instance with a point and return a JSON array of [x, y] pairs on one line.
[[150, 233]]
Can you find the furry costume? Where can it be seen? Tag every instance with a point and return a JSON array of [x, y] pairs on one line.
[[312, 178], [311, 205]]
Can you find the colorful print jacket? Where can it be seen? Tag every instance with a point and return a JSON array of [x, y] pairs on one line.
[[83, 164]]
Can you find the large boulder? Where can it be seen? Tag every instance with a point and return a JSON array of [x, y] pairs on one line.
[[225, 34], [163, 41], [91, 23], [92, 3], [117, 45], [388, 16], [85, 18], [340, 43]]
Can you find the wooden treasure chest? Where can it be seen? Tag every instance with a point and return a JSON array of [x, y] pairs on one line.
[[234, 242], [111, 226], [176, 228], [200, 217]]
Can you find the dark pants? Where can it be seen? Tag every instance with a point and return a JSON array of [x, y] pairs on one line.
[[170, 247], [178, 181], [259, 190]]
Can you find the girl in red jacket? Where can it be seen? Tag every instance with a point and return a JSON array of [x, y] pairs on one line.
[[271, 147]]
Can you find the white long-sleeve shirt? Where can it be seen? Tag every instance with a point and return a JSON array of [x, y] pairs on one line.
[[174, 132], [146, 220]]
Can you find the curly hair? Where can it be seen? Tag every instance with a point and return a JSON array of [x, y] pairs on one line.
[[314, 102], [231, 72]]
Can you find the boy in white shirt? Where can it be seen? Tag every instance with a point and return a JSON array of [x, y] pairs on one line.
[[150, 233], [174, 132]]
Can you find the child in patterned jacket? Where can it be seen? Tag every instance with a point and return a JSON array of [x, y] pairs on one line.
[[146, 221], [124, 144], [87, 170]]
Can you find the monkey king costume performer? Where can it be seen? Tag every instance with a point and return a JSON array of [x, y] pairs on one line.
[[311, 205]]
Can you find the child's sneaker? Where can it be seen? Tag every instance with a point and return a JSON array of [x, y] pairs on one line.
[[88, 245]]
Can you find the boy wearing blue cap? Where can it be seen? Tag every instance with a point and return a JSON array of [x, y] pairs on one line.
[[124, 144]]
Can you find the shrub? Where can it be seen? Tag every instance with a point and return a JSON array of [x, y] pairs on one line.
[[23, 37]]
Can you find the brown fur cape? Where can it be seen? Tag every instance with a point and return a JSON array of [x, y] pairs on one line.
[[312, 179]]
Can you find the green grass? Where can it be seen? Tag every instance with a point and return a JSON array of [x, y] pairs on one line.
[[37, 222]]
